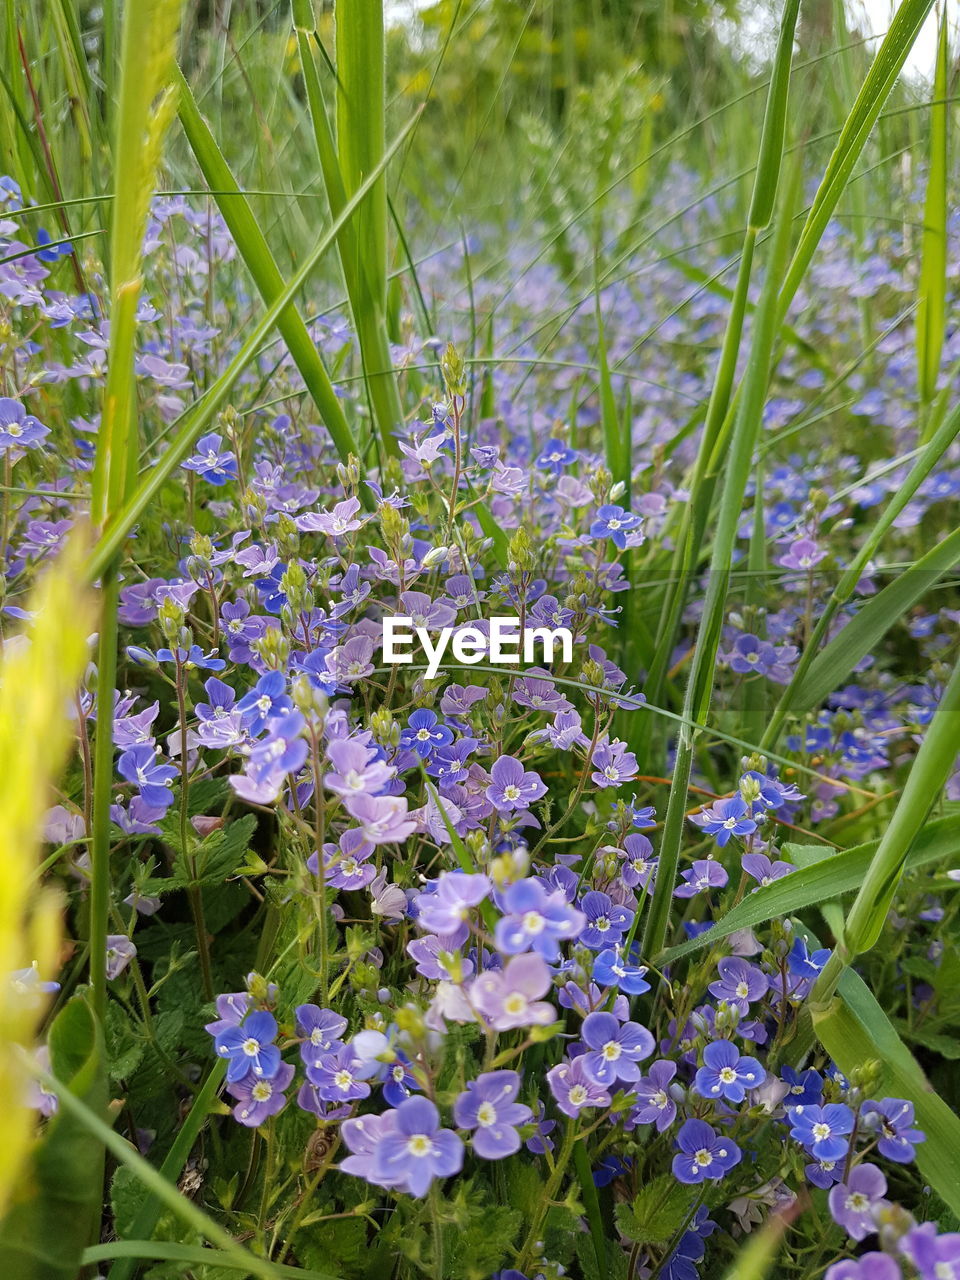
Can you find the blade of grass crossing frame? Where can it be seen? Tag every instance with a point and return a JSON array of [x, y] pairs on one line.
[[946, 432], [197, 418], [145, 111], [696, 512], [927, 777], [854, 1029], [361, 124], [931, 312], [880, 79], [737, 473], [259, 261]]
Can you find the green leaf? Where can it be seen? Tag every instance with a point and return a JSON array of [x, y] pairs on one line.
[[55, 1211], [871, 623], [931, 312], [259, 261], [657, 1213], [827, 876], [853, 1029], [196, 1255]]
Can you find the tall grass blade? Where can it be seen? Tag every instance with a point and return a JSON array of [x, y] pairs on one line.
[[361, 142], [932, 309], [928, 774], [746, 429], [259, 261], [145, 111], [823, 877], [854, 1029], [196, 419]]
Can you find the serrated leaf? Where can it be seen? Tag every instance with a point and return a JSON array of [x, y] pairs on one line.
[[657, 1213]]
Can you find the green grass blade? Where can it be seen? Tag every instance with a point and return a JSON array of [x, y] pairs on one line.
[[871, 623], [927, 458], [193, 423], [826, 876], [931, 313], [880, 79], [361, 117], [165, 1251], [618, 457], [700, 681], [189, 1213], [854, 1029], [259, 261], [148, 1215]]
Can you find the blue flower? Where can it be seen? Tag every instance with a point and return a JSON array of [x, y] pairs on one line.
[[249, 1047], [610, 969], [48, 250], [725, 818], [805, 1086], [613, 1049], [266, 699], [802, 963], [212, 462], [703, 1154], [725, 1074], [615, 523], [424, 733], [823, 1131], [892, 1118], [140, 766], [606, 921], [417, 1150]]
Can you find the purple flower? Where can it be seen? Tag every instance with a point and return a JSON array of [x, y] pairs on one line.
[[936, 1257], [852, 1203], [17, 427], [424, 733], [573, 1090], [610, 969], [120, 951], [640, 866], [362, 1137], [869, 1266], [345, 863], [249, 1048], [555, 455], [513, 787], [703, 1154], [342, 519], [336, 1076], [655, 1103], [613, 764], [606, 921], [759, 866], [802, 554], [725, 818], [445, 911], [892, 1119], [725, 1074], [258, 1098], [356, 769], [383, 819], [321, 1029], [510, 997], [740, 983], [535, 919], [750, 653], [489, 1107], [140, 766], [232, 1008], [823, 1131], [212, 462], [803, 963], [418, 1150], [615, 523], [614, 1049], [704, 874]]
